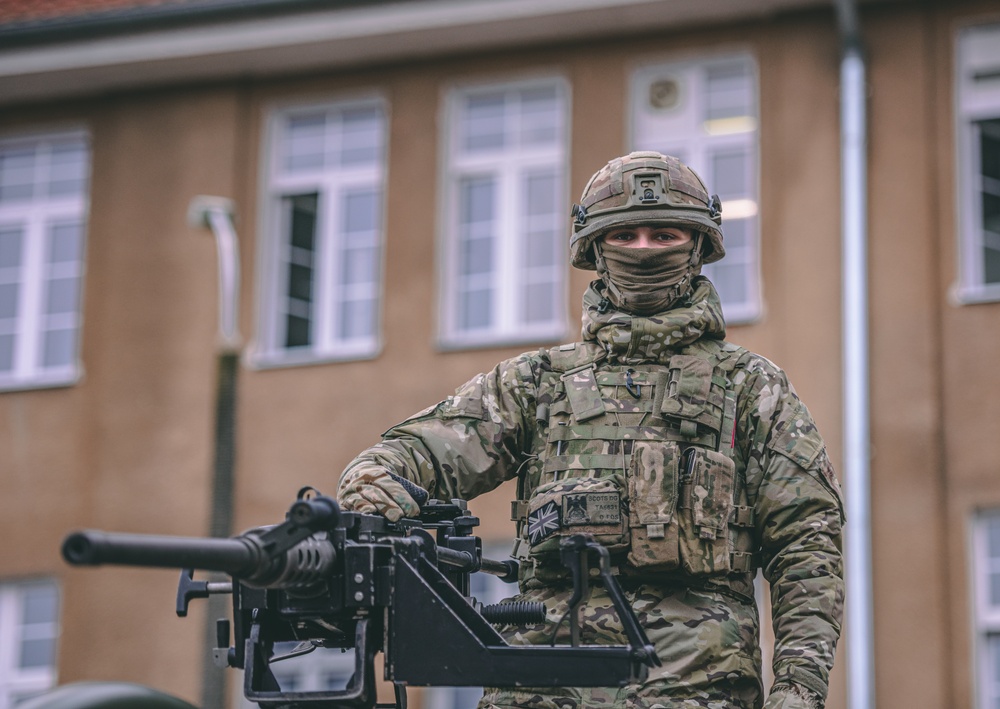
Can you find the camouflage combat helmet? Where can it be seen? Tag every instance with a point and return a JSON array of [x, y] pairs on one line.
[[644, 188]]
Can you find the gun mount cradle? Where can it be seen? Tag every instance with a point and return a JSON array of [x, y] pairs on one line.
[[334, 579]]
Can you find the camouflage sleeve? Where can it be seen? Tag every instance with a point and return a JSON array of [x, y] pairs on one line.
[[470, 442], [799, 524]]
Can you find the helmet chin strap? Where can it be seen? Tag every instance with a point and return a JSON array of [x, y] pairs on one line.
[[602, 271], [696, 255]]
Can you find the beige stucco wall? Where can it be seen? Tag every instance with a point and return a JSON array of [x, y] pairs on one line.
[[130, 446]]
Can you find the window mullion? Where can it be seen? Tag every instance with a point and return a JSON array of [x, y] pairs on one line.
[[507, 277], [973, 243], [30, 316], [8, 623], [325, 296]]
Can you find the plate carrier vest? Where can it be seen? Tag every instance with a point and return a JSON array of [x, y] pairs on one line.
[[643, 457]]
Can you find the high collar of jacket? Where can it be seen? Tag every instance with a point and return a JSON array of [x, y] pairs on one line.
[[634, 339]]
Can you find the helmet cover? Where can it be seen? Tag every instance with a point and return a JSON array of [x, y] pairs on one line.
[[644, 189]]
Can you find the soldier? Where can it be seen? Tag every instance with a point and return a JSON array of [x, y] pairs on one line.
[[690, 458]]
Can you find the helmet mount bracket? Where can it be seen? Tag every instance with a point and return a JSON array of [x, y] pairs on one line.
[[648, 188]]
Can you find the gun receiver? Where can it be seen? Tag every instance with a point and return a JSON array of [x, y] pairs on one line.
[[334, 579]]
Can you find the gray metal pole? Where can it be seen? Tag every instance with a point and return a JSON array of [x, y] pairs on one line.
[[216, 213], [857, 423]]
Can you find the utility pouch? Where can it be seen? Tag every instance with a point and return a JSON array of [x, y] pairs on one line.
[[577, 506], [652, 492], [706, 504]]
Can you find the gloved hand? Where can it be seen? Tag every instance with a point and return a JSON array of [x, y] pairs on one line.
[[787, 696], [374, 490]]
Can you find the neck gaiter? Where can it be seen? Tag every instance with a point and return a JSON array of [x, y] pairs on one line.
[[647, 281]]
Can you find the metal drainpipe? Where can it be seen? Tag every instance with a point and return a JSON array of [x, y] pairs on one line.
[[216, 213], [857, 444]]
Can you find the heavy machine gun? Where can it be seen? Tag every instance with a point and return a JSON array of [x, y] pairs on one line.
[[327, 578]]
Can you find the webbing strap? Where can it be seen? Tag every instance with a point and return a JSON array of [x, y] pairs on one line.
[[626, 433], [742, 516], [742, 561], [727, 436], [586, 461]]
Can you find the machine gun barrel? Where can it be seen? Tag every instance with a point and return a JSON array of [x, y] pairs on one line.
[[238, 556]]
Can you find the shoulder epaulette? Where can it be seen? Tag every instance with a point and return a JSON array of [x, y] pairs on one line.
[[578, 354]]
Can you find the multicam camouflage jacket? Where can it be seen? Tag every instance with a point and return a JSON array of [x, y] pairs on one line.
[[691, 459]]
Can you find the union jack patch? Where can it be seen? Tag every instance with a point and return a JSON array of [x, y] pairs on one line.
[[543, 522]]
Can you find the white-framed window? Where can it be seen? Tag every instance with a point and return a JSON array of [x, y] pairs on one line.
[[44, 185], [986, 584], [704, 112], [505, 213], [978, 154], [29, 631], [323, 236]]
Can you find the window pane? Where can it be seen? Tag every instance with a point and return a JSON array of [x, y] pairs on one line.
[[989, 149], [361, 136], [728, 176], [475, 256], [991, 564], [68, 169], [993, 537], [539, 303], [304, 142], [728, 92], [37, 653], [17, 173], [483, 122], [474, 309], [993, 681], [541, 194], [61, 296], [539, 116], [730, 280], [301, 220], [361, 212], [475, 246], [40, 604], [737, 238], [477, 196], [299, 331], [39, 616], [6, 353], [300, 282], [359, 266], [541, 230], [9, 295], [357, 319], [11, 239], [542, 249], [64, 242], [59, 348]]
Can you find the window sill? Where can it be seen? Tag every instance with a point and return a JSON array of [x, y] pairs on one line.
[[306, 358], [974, 294], [51, 381]]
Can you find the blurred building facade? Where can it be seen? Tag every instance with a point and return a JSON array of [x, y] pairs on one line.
[[402, 174]]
